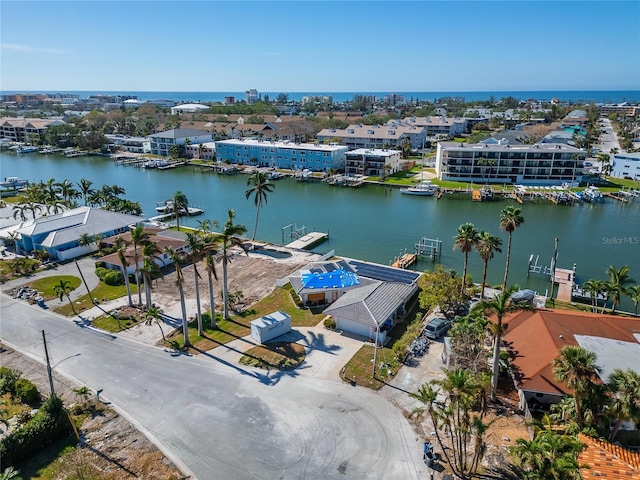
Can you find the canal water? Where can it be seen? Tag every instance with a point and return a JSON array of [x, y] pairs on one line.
[[375, 223]]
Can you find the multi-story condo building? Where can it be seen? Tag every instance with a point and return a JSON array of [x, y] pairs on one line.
[[289, 155], [438, 125], [539, 164], [375, 136], [626, 165], [130, 144], [372, 163], [201, 151], [162, 142], [252, 96], [623, 108], [26, 129]]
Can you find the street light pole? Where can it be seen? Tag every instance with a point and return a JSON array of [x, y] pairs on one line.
[[375, 350]]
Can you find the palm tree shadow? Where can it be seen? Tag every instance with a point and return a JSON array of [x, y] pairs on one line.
[[111, 460]]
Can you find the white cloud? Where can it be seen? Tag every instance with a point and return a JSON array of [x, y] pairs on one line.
[[29, 49]]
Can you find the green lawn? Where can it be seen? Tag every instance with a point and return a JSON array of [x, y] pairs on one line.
[[102, 291], [45, 285]]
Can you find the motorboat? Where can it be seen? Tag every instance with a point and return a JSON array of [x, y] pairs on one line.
[[424, 188], [592, 194], [13, 183], [27, 149]]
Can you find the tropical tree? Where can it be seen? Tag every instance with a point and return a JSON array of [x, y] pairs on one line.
[[510, 219], [180, 204], [154, 314], [577, 366], [139, 237], [486, 246], [121, 248], [62, 290], [452, 402], [618, 278], [465, 240], [500, 305], [84, 240], [176, 258], [595, 288], [196, 248], [210, 244], [625, 403], [634, 294], [260, 187], [227, 239], [150, 269]]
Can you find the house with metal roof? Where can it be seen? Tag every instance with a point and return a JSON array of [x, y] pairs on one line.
[[162, 142], [366, 299], [394, 134], [60, 234]]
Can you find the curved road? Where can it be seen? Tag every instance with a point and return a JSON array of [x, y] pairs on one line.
[[219, 420]]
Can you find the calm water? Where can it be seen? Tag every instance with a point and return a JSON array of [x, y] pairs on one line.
[[374, 223]]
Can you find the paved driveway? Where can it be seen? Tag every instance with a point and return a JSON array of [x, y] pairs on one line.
[[222, 421]]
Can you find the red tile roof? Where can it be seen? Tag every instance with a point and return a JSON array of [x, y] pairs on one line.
[[606, 460]]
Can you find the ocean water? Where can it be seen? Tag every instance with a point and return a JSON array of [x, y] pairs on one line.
[[575, 96]]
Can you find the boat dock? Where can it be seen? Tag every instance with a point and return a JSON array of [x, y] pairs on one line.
[[405, 261], [565, 278], [308, 240]]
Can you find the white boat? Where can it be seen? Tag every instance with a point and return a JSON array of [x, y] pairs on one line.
[[13, 183], [27, 149], [592, 194], [424, 188]]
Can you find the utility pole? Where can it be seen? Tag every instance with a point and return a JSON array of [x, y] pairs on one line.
[[46, 354]]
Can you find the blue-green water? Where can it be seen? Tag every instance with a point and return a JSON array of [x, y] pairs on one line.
[[375, 223]]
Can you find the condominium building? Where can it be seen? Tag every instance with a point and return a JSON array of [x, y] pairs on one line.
[[162, 142], [539, 164], [287, 155], [25, 129], [626, 165], [252, 96], [130, 144], [376, 136], [623, 108], [372, 163], [439, 125]]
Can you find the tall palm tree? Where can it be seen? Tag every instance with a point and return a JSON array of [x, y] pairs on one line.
[[85, 189], [62, 289], [260, 187], [618, 278], [196, 248], [228, 238], [180, 203], [154, 314], [510, 219], [634, 294], [499, 306], [577, 366], [625, 386], [465, 240], [595, 289], [121, 248], [210, 245], [150, 269], [139, 237], [176, 259], [486, 246]]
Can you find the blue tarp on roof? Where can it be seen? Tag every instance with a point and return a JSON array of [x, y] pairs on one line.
[[338, 278]]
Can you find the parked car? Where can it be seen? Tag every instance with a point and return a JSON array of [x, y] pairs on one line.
[[588, 164], [436, 328]]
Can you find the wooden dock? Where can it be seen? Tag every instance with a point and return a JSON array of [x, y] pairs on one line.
[[405, 261], [308, 241], [565, 278]]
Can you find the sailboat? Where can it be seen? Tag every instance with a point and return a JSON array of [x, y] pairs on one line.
[[424, 188]]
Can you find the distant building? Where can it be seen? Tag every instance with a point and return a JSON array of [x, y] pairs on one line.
[[162, 142], [575, 118], [252, 96], [394, 99], [539, 164], [391, 135], [25, 129], [622, 108], [188, 108], [438, 125], [230, 100], [287, 155], [372, 163], [626, 165]]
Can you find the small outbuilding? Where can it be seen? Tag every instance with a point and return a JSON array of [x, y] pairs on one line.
[[270, 326]]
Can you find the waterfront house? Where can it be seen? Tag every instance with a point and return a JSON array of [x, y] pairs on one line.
[[538, 164], [201, 151], [626, 165], [374, 163], [162, 142], [281, 154], [26, 129], [607, 461], [60, 234], [128, 143], [364, 298], [534, 338], [392, 135]]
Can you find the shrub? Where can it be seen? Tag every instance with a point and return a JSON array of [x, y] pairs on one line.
[[26, 391], [101, 272], [8, 379], [330, 323], [113, 278], [400, 350], [100, 265]]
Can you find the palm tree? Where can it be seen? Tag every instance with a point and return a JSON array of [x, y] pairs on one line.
[[154, 314], [499, 306], [595, 288], [196, 247], [20, 211], [510, 219], [486, 247], [176, 259], [180, 203], [84, 240], [139, 237], [465, 240], [634, 293], [210, 244], [618, 278], [577, 366], [85, 189], [150, 269], [62, 289], [228, 238], [121, 248], [260, 187], [625, 386]]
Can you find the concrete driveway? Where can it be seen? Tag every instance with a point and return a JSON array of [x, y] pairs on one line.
[[219, 420]]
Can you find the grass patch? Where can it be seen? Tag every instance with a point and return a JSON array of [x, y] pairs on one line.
[[279, 356], [45, 285], [102, 292]]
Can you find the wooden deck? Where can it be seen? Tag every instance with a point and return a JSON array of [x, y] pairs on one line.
[[405, 261], [308, 241], [565, 279]]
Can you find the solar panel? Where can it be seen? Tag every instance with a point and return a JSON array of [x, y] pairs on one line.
[[383, 273], [330, 267]]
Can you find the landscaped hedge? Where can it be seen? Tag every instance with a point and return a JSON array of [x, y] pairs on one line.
[[8, 379], [26, 391], [110, 277], [49, 423]]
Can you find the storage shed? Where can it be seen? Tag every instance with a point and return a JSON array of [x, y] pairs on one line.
[[270, 326]]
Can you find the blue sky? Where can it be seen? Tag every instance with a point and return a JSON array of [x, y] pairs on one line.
[[320, 46]]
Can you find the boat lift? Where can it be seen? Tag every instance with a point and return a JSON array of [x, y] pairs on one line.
[[292, 232], [546, 270], [429, 247]]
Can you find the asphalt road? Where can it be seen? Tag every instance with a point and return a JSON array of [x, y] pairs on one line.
[[219, 420]]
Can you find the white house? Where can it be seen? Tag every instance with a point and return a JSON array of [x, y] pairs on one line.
[[626, 165], [162, 142], [363, 161], [188, 108], [391, 135]]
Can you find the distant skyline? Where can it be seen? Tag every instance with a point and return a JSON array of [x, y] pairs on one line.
[[320, 46]]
